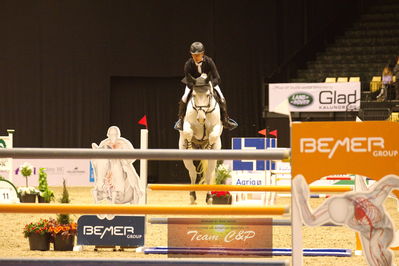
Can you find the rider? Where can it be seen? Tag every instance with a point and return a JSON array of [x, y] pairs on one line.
[[195, 66]]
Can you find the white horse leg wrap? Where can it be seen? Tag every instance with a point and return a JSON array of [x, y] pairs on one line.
[[217, 88], [185, 95]]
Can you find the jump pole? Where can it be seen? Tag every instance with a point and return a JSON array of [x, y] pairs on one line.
[[144, 162], [312, 252], [143, 209], [189, 187], [274, 222]]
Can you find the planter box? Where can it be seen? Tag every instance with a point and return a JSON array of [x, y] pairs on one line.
[[221, 200], [62, 243], [39, 242], [40, 199], [28, 198]]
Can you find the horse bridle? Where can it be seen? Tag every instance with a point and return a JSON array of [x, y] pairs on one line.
[[202, 107]]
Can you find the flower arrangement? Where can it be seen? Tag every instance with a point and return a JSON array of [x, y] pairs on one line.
[[222, 174], [220, 194], [26, 170], [64, 225], [45, 192], [65, 230], [41, 227], [27, 190]]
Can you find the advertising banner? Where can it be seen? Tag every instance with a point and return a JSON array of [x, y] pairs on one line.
[[320, 149], [240, 237], [126, 231], [75, 171], [315, 97], [5, 163], [253, 144]]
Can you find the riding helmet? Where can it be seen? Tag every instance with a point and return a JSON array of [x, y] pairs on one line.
[[197, 48]]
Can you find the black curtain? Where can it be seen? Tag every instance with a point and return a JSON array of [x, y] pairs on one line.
[[134, 97], [63, 63]]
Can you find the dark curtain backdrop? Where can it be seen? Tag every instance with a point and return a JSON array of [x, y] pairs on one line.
[[71, 68]]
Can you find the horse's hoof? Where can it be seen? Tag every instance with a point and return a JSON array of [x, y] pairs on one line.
[[192, 200]]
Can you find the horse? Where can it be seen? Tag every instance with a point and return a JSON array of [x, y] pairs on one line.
[[113, 181], [202, 129]]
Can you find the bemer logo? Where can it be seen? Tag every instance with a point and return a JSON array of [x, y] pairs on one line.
[[330, 145], [100, 230]]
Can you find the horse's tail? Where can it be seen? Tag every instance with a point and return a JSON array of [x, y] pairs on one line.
[[201, 169]]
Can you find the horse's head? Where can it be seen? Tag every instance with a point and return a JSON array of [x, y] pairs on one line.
[[202, 95]]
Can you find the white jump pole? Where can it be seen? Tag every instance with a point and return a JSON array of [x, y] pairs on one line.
[[10, 170], [144, 162]]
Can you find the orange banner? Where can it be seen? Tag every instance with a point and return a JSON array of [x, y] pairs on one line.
[[369, 149]]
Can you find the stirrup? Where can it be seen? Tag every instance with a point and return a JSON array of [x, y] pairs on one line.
[[230, 124], [178, 125]]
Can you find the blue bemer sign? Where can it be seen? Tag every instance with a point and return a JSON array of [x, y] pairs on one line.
[[126, 231]]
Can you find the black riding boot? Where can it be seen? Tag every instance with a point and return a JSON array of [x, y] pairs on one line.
[[180, 115], [228, 123]]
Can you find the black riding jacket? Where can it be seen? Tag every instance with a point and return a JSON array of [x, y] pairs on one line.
[[208, 67]]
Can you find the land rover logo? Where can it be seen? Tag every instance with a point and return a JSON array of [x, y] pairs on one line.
[[300, 99]]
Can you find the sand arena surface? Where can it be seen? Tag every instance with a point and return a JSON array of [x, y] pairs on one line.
[[13, 243]]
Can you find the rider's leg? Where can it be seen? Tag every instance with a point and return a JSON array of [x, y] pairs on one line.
[[182, 109], [228, 123]]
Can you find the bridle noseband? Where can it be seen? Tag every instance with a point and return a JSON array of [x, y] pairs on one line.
[[204, 108]]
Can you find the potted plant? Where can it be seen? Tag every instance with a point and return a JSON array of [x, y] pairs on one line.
[[64, 229], [222, 175], [45, 194], [27, 193], [38, 234]]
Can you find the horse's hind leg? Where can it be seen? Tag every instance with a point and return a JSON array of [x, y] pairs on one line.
[[192, 171]]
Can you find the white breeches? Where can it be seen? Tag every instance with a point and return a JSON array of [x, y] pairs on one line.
[[187, 91]]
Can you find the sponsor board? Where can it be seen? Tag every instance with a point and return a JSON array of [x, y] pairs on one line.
[[126, 231], [320, 149], [75, 171], [5, 163], [315, 97], [240, 234], [251, 144]]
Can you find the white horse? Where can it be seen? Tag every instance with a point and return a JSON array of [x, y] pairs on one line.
[[114, 181], [201, 130]]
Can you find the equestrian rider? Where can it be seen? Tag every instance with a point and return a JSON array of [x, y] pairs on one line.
[[198, 64]]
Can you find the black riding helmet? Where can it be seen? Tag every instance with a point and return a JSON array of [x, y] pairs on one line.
[[197, 48]]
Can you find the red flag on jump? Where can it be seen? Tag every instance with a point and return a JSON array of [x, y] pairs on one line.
[[273, 133], [143, 121], [262, 132]]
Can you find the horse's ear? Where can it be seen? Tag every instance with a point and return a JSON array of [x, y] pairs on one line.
[[94, 146], [208, 78], [191, 79]]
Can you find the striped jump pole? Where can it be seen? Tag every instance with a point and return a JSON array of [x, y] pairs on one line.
[[142, 209], [189, 187]]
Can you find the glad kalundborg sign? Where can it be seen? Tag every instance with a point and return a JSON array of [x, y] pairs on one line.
[[315, 97], [369, 149]]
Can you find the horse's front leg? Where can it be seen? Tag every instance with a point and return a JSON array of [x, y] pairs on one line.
[[210, 179], [192, 171], [188, 134], [214, 137]]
